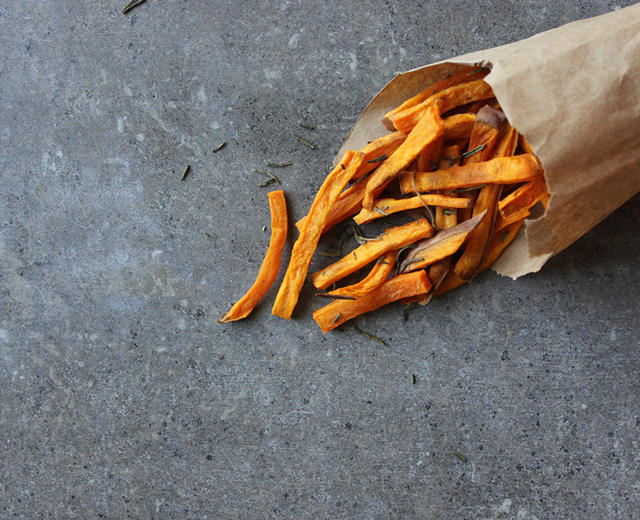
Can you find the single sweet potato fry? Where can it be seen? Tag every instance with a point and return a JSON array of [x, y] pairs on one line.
[[424, 135], [376, 277], [516, 206], [455, 79], [428, 159], [385, 207], [442, 244], [270, 265], [443, 101], [376, 152], [402, 286], [307, 241], [392, 239], [487, 203], [501, 170], [458, 126]]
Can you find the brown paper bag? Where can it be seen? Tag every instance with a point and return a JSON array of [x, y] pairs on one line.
[[574, 92]]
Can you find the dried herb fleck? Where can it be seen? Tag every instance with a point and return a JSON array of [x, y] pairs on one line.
[[337, 318], [307, 126], [185, 172], [210, 235], [473, 151], [131, 5], [449, 211], [381, 211], [279, 165], [334, 296], [271, 180], [369, 336], [219, 147], [378, 159], [305, 142], [460, 456]]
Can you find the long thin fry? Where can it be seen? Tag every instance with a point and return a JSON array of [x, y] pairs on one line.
[[270, 265], [487, 203], [458, 126], [502, 170], [424, 135], [377, 151], [392, 239], [376, 277], [516, 206], [384, 207], [455, 79], [306, 243], [443, 101], [402, 286]]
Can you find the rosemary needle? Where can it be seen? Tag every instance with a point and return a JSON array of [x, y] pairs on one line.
[[219, 147], [369, 336], [210, 235], [269, 174], [308, 127], [279, 164], [185, 172], [305, 142], [131, 5]]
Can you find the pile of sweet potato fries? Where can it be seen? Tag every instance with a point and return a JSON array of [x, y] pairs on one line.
[[452, 154]]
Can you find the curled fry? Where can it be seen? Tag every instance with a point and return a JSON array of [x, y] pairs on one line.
[[376, 277], [270, 265]]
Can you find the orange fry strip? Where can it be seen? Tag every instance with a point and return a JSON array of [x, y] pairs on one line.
[[376, 152], [501, 170], [460, 77], [270, 265], [439, 246], [443, 101], [425, 134], [487, 202], [402, 286], [517, 205], [376, 277], [307, 242], [392, 239], [390, 206], [458, 126]]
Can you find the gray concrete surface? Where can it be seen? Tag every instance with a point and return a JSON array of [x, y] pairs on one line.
[[120, 395]]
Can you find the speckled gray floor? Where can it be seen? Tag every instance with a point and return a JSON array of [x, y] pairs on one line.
[[120, 395]]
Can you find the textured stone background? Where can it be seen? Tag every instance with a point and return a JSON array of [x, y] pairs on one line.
[[120, 395]]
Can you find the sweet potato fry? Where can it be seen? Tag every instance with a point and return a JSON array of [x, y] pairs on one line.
[[306, 243], [516, 206], [402, 286], [377, 151], [392, 239], [458, 126], [442, 244], [460, 77], [424, 135], [376, 277], [270, 265], [384, 207], [487, 203], [502, 170], [443, 101], [428, 159]]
